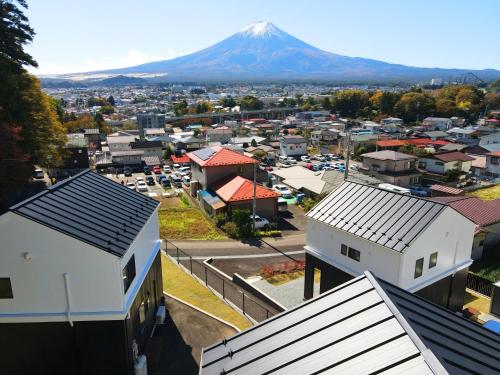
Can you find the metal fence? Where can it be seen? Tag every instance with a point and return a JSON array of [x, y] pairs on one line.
[[223, 286], [479, 285]]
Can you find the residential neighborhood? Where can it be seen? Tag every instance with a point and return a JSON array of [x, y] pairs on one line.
[[257, 205]]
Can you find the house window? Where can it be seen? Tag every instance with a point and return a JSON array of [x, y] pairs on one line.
[[128, 273], [419, 268], [343, 249], [433, 260], [5, 288], [354, 254]]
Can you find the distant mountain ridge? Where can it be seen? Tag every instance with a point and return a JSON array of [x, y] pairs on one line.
[[262, 51]]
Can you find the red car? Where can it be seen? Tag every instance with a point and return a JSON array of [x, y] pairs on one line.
[[156, 169]]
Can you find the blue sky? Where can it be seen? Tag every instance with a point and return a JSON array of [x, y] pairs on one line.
[[76, 36]]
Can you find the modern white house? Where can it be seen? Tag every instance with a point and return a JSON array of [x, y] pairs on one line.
[[417, 244], [493, 164], [80, 278], [293, 146]]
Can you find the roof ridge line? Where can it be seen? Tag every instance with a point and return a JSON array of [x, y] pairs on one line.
[[429, 357], [49, 189]]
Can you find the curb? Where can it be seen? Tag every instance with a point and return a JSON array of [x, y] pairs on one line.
[[202, 311]]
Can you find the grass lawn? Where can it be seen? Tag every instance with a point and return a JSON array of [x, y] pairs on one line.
[[180, 221], [183, 286], [487, 194]]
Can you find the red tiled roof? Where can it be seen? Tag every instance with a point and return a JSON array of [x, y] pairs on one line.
[[238, 188], [180, 159], [474, 209], [222, 156], [453, 156], [447, 189], [495, 203], [390, 143]]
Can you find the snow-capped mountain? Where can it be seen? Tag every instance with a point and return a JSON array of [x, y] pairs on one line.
[[262, 51]]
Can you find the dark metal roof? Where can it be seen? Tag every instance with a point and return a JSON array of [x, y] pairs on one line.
[[93, 209], [389, 219], [461, 345], [363, 326], [145, 144]]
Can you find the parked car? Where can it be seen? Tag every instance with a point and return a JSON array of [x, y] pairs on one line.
[[176, 166], [184, 171], [127, 172], [165, 183], [160, 177], [282, 205], [141, 186], [186, 180], [284, 191], [418, 191], [305, 159], [260, 222], [150, 181], [139, 178], [146, 170], [167, 169], [292, 160], [175, 181], [156, 169], [130, 185], [38, 174]]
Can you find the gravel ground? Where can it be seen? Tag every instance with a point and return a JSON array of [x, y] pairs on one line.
[[289, 294]]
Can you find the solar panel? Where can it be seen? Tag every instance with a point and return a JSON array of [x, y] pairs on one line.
[[204, 153]]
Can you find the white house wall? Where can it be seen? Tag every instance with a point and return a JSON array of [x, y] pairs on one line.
[[451, 235], [38, 284], [323, 241]]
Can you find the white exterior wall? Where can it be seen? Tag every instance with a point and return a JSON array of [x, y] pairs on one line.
[[432, 166], [295, 149], [491, 168], [323, 241], [451, 235], [145, 247], [38, 284]]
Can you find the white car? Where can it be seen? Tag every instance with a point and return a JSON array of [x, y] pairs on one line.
[[167, 169], [137, 179], [130, 185], [284, 191], [305, 159], [141, 186], [260, 222], [184, 171], [291, 160], [176, 166]]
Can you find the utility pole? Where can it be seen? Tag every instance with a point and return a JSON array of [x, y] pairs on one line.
[[348, 155], [254, 203]]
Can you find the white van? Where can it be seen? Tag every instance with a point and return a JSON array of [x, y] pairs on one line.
[[186, 180], [395, 188], [282, 205]]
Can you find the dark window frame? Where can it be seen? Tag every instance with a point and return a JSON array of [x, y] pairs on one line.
[[419, 263], [354, 254], [6, 289], [343, 249], [129, 273], [433, 259]]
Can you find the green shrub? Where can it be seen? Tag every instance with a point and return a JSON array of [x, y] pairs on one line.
[[243, 221], [220, 219], [268, 233], [307, 204], [231, 229], [184, 200]]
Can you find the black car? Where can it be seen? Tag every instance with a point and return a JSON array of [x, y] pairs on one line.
[[165, 183], [146, 170], [150, 180], [127, 172]]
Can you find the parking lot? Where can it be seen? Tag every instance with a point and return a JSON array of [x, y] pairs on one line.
[[153, 190]]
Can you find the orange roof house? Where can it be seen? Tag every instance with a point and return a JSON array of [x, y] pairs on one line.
[[218, 156]]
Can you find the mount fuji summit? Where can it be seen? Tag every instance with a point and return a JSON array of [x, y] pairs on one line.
[[262, 51]]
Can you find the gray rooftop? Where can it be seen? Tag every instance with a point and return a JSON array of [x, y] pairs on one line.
[[389, 219], [92, 209], [388, 155], [363, 326], [293, 140]]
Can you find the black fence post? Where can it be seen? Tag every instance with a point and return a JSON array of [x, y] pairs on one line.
[[178, 261], [191, 264], [206, 276], [223, 289], [243, 303]]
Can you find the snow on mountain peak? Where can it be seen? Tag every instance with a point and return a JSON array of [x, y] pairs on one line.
[[260, 29]]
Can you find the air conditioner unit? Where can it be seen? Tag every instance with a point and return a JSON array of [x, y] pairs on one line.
[[160, 315]]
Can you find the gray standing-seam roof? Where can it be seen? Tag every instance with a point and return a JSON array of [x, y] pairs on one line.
[[92, 209], [364, 326], [389, 219]]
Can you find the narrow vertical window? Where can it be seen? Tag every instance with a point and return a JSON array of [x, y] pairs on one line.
[[419, 268], [433, 260]]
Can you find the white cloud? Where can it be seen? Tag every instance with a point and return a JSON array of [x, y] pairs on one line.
[[133, 57]]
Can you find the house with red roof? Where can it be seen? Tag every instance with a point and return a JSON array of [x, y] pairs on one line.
[[442, 162], [229, 175], [237, 193], [486, 215]]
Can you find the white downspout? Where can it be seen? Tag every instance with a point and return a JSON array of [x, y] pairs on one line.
[[68, 297]]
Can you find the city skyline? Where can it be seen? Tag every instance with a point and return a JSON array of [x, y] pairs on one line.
[[129, 34]]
